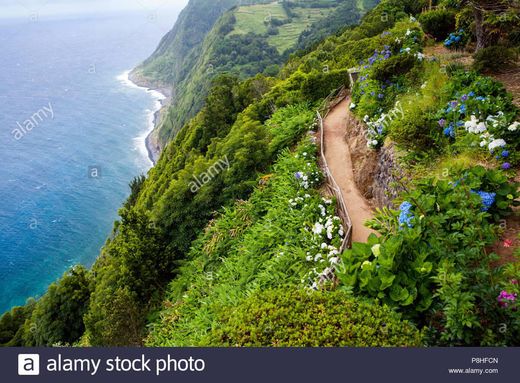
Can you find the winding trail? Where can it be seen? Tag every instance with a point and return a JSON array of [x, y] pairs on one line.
[[337, 153]]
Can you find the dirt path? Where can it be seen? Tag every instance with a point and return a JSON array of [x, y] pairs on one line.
[[337, 153]]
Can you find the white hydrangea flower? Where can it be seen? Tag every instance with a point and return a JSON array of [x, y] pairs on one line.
[[497, 143], [318, 228], [514, 126], [334, 260]]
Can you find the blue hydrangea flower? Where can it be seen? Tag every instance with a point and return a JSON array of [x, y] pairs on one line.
[[488, 199], [405, 215], [471, 94], [505, 153], [449, 131]]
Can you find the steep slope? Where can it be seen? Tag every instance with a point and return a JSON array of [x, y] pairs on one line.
[[233, 211], [178, 48], [252, 38]]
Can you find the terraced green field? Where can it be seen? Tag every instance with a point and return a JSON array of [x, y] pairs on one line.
[[253, 18], [289, 33]]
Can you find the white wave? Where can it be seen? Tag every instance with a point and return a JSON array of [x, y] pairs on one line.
[[140, 140]]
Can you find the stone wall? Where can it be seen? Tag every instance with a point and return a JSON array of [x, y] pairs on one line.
[[375, 171]]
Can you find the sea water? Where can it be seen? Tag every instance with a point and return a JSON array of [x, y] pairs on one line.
[[72, 130]]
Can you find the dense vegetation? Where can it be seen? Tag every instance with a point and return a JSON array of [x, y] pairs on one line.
[[255, 37], [192, 262]]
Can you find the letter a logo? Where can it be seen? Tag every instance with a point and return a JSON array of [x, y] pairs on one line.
[[28, 364]]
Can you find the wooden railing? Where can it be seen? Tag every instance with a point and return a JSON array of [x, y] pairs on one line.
[[334, 189]]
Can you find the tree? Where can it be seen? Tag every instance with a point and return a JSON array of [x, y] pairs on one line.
[[58, 315], [484, 8]]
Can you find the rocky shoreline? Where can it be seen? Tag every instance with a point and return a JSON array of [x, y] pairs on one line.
[[152, 143]]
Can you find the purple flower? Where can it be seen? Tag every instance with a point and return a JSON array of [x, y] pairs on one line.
[[380, 95], [506, 166], [298, 175], [464, 97], [442, 122], [505, 298], [453, 104]]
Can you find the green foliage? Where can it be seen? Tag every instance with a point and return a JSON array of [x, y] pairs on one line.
[[299, 318], [432, 263], [282, 236], [239, 234], [58, 316], [345, 15], [415, 129], [126, 279], [11, 324], [135, 188], [495, 58], [438, 23], [287, 125], [393, 67], [241, 42], [319, 84]]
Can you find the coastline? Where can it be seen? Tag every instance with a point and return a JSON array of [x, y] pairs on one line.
[[161, 94]]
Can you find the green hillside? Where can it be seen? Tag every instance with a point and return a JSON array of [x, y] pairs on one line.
[[232, 239], [246, 40]]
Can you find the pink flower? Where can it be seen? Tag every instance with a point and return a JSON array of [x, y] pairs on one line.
[[508, 243], [505, 298]]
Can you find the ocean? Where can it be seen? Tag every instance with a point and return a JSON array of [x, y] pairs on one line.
[[72, 130]]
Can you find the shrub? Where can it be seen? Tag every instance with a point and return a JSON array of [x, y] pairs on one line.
[[414, 130], [299, 318], [438, 23], [494, 58], [431, 260], [319, 84], [456, 40], [394, 66]]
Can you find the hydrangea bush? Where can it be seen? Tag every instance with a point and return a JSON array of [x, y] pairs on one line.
[[431, 260], [481, 114], [381, 77]]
